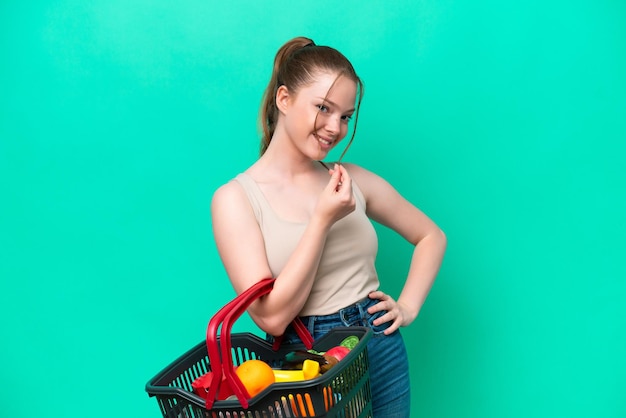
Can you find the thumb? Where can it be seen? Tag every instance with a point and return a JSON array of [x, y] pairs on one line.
[[335, 178], [333, 170]]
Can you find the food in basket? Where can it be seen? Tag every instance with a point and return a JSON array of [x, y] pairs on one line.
[[339, 352], [326, 360], [255, 375], [295, 360], [310, 369], [330, 363], [350, 341]]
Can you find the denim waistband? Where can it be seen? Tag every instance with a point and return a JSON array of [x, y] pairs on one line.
[[352, 315], [349, 313]]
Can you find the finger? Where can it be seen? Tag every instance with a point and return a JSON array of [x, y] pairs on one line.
[[394, 317], [338, 171], [381, 306], [343, 170], [335, 178], [345, 179], [392, 328], [377, 294], [345, 176]]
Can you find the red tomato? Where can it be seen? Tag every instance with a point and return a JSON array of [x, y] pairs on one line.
[[338, 352]]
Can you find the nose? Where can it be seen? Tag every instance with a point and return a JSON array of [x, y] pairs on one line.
[[333, 124]]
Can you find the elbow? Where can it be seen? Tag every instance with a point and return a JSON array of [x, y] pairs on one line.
[[443, 240], [275, 329], [273, 326], [272, 318], [434, 238]]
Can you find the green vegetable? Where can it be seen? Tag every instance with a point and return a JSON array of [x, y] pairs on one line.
[[350, 342]]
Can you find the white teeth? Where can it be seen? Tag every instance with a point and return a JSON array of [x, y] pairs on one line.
[[323, 141]]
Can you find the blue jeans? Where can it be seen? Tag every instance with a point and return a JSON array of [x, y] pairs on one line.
[[389, 366]]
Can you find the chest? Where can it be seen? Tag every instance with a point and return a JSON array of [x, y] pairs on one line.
[[293, 202]]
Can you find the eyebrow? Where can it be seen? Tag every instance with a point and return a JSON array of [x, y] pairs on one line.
[[334, 104]]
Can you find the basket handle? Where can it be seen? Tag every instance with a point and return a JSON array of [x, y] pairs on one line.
[[212, 345], [301, 330], [227, 316]]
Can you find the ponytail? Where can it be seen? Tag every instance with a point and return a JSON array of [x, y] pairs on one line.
[[269, 112]]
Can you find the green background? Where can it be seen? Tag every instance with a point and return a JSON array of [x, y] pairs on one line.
[[505, 122]]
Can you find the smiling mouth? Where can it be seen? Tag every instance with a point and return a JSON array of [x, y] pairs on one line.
[[326, 142]]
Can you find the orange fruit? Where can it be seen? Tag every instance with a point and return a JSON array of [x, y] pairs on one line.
[[255, 375]]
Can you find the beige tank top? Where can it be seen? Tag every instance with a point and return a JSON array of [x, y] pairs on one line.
[[346, 272]]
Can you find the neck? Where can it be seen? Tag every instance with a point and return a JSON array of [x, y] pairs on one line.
[[282, 163], [284, 159]]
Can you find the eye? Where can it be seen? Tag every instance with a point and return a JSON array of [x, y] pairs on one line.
[[322, 108], [346, 118]]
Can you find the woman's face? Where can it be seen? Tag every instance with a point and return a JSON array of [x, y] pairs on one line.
[[316, 118]]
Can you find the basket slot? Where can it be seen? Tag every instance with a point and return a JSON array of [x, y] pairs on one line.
[[162, 406], [302, 405], [188, 379], [173, 409], [185, 379], [353, 390], [241, 354], [288, 406], [282, 405], [199, 369], [178, 383]]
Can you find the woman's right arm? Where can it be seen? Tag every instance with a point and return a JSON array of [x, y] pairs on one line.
[[241, 247]]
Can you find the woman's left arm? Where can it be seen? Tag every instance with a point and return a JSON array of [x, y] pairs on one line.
[[387, 207]]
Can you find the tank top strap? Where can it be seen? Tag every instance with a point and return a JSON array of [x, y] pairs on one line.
[[358, 194], [260, 205], [255, 196]]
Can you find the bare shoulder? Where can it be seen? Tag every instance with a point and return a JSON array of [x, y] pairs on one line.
[[370, 183], [227, 192], [230, 200]]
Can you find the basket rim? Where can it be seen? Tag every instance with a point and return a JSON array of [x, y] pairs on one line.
[[153, 390]]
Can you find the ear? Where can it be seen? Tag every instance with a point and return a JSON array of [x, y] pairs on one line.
[[282, 98]]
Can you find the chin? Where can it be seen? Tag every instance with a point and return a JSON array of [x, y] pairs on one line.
[[319, 156]]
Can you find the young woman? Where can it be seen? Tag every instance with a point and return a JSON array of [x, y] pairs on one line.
[[307, 223]]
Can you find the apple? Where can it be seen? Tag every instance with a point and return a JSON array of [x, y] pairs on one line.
[[339, 352]]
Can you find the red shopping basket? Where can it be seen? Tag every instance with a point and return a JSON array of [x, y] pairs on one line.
[[343, 391]]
